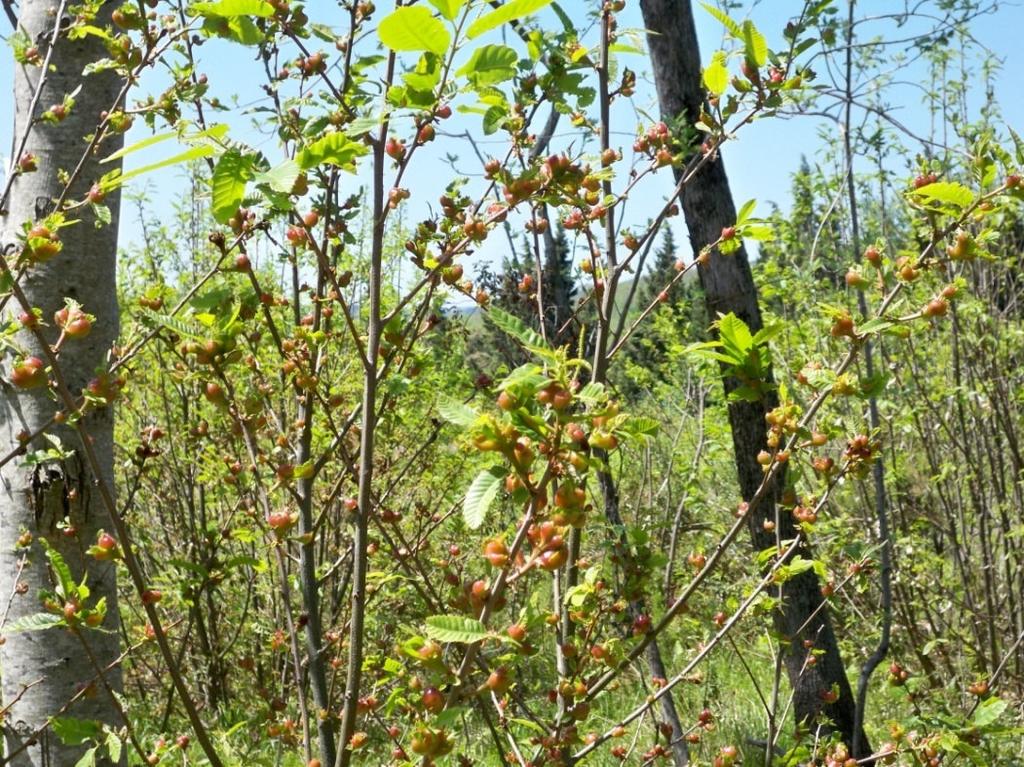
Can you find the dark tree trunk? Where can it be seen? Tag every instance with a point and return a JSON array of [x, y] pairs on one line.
[[729, 287]]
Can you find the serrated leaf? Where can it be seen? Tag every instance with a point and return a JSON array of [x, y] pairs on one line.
[[195, 153], [66, 581], [333, 149], [215, 132], [874, 327], [724, 20], [449, 716], [530, 725], [173, 323], [494, 118], [490, 64], [230, 176], [34, 622], [414, 28], [114, 747], [641, 426], [734, 333], [948, 192], [516, 9], [515, 327], [88, 758], [455, 412], [528, 376], [448, 8], [455, 628], [282, 177], [73, 732], [230, 8], [755, 46], [989, 712], [745, 211], [716, 75], [592, 393], [480, 495]]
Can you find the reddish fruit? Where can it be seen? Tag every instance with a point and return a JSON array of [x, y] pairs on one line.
[[73, 321], [728, 233], [29, 373], [42, 244], [280, 521], [444, 111], [498, 681], [842, 326], [507, 402], [937, 307], [433, 700], [151, 596], [394, 148], [496, 552], [516, 632]]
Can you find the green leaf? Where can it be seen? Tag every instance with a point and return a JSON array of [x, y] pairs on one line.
[[989, 712], [230, 176], [34, 622], [1018, 144], [195, 153], [494, 118], [73, 732], [490, 64], [448, 8], [755, 46], [641, 426], [734, 333], [456, 412], [767, 333], [515, 327], [216, 132], [282, 177], [333, 149], [414, 28], [480, 496], [455, 628], [88, 758], [516, 9], [716, 75], [874, 327], [724, 19], [745, 211], [239, 28], [450, 716], [426, 76], [114, 747], [948, 192], [229, 8], [65, 579], [528, 376]]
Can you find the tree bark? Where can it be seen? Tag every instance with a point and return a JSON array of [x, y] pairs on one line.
[[58, 501], [729, 287]]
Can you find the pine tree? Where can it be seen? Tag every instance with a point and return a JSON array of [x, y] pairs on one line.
[[559, 290]]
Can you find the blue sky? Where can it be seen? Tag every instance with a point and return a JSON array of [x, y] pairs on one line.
[[759, 163]]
